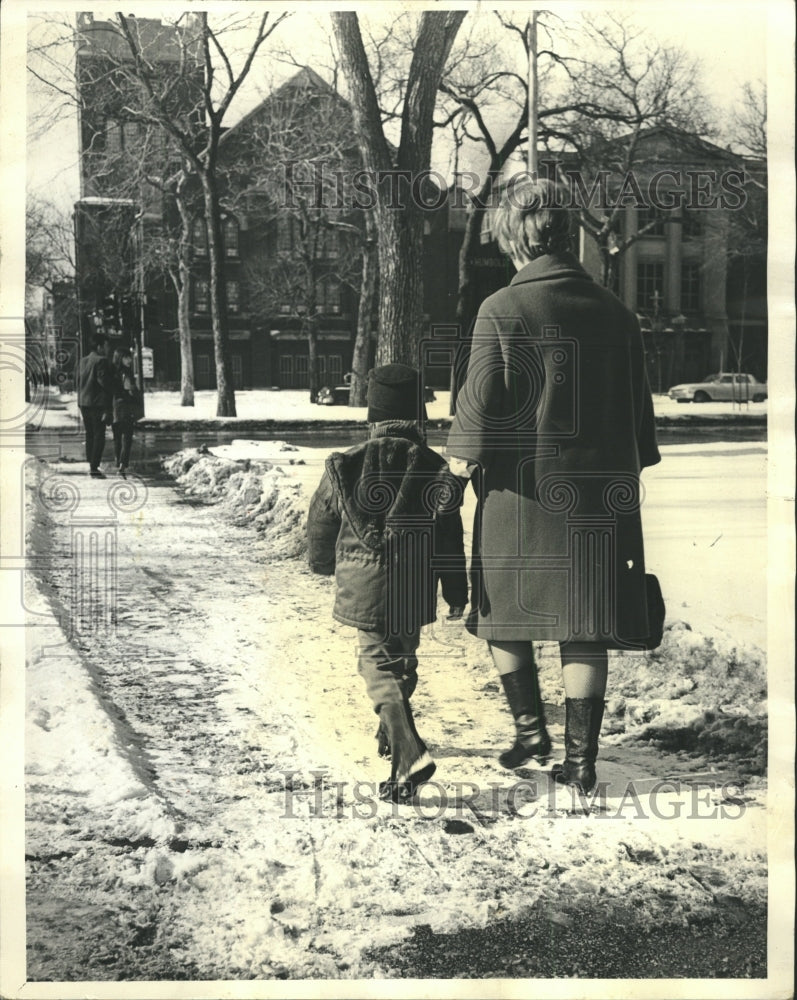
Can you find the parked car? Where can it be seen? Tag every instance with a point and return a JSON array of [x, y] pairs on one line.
[[333, 395], [723, 387], [338, 395]]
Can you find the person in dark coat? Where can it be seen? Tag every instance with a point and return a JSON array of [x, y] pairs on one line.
[[386, 521], [554, 423], [126, 410], [95, 401]]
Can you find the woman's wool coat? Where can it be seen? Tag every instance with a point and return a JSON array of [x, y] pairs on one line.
[[386, 521], [556, 411]]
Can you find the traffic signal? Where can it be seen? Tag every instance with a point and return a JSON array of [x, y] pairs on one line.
[[110, 312]]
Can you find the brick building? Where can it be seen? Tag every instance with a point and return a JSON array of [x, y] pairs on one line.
[[695, 275]]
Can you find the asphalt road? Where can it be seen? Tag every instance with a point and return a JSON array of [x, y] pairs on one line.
[[704, 513]]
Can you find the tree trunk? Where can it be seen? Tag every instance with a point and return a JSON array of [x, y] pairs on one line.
[[467, 306], [225, 406], [400, 285], [607, 266], [186, 348], [400, 228], [182, 284], [361, 355], [311, 332]]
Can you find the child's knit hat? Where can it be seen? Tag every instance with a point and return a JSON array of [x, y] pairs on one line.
[[394, 393]]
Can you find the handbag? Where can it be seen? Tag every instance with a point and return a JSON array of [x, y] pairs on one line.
[[656, 613]]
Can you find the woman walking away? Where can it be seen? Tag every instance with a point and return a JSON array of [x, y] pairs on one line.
[[554, 423], [126, 410]]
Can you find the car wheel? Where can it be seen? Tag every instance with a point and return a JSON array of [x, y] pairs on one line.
[[759, 398], [702, 397]]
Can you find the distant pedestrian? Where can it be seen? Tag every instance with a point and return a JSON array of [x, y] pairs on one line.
[[126, 409], [385, 520], [95, 401]]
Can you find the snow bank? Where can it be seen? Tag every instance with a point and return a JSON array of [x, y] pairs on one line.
[[697, 693], [247, 492], [701, 694]]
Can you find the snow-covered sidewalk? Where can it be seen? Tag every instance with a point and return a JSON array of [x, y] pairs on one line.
[[216, 816]]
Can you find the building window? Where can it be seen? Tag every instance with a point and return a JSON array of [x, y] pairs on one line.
[[327, 244], [201, 297], [154, 139], [692, 224], [233, 296], [230, 238], [286, 371], [202, 371], [237, 371], [335, 368], [690, 288], [649, 285], [199, 236], [113, 139], [131, 132], [328, 296], [285, 234], [653, 217]]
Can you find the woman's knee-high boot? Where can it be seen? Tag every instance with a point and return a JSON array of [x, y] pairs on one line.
[[583, 718], [522, 690]]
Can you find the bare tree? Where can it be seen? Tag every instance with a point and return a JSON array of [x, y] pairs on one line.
[[49, 245], [152, 172], [168, 252], [749, 120], [197, 135], [397, 171], [632, 84], [748, 226], [485, 103], [361, 355], [285, 167], [181, 80], [49, 278]]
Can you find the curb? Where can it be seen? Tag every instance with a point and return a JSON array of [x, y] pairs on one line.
[[233, 424]]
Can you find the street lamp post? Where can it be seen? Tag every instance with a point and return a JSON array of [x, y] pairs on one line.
[[657, 325], [679, 326], [531, 45], [141, 303]]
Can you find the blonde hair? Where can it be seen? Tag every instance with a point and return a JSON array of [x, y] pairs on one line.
[[531, 219]]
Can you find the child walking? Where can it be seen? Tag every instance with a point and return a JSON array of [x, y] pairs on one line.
[[386, 521]]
